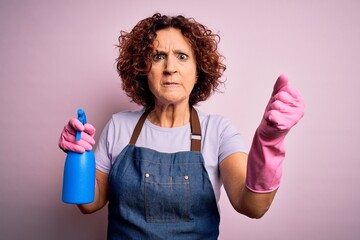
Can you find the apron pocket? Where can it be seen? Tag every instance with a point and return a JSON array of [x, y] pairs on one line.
[[167, 198]]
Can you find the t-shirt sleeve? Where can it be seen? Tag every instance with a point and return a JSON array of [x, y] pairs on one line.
[[231, 140], [102, 154]]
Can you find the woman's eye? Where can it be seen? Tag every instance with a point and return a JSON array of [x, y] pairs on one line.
[[183, 56], [158, 57]]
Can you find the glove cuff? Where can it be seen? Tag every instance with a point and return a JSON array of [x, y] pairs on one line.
[[264, 168]]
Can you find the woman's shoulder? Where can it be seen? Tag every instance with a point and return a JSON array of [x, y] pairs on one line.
[[216, 124], [127, 116], [206, 118]]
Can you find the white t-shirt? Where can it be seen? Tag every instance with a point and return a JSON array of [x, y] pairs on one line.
[[219, 140]]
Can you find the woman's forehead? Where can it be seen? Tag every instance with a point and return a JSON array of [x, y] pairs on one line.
[[171, 39]]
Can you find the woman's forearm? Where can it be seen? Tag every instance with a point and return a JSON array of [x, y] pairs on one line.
[[101, 195], [255, 205]]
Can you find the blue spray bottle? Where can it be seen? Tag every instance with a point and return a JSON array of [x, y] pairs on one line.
[[79, 173]]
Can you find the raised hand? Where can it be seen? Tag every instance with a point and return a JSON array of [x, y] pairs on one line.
[[284, 110], [267, 152]]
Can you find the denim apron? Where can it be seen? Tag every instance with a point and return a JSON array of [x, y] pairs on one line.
[[155, 195]]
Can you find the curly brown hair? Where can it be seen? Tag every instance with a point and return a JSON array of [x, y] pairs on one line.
[[136, 51]]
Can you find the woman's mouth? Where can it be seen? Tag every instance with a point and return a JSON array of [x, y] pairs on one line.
[[170, 84]]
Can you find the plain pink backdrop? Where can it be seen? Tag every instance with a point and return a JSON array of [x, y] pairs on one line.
[[57, 56]]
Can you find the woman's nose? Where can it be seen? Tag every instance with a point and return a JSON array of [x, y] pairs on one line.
[[170, 65]]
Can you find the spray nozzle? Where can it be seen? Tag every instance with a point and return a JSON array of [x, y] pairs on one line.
[[82, 119]]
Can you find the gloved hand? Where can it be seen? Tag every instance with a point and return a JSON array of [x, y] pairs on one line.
[[67, 141], [267, 152]]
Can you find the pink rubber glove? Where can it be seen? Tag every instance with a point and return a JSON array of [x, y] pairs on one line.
[[267, 152], [67, 141]]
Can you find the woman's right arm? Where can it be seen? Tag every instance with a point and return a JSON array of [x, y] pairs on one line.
[[101, 194], [67, 142]]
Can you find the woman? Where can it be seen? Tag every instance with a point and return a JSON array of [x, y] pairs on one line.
[[161, 168]]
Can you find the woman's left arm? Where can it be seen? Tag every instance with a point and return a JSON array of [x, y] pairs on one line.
[[251, 181]]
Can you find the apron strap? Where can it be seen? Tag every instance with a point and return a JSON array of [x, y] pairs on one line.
[[138, 126], [194, 124], [195, 131]]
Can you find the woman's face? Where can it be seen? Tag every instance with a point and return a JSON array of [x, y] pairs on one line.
[[173, 71]]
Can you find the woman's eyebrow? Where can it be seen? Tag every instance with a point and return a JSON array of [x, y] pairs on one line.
[[180, 51], [160, 52], [177, 51]]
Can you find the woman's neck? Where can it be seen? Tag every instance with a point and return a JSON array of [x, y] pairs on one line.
[[170, 116]]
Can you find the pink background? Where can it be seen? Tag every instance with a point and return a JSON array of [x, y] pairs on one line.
[[57, 56]]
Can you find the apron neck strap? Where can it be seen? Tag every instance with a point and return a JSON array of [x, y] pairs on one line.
[[195, 131], [194, 124]]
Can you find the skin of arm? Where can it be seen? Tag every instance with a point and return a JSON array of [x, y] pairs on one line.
[[244, 201], [101, 194]]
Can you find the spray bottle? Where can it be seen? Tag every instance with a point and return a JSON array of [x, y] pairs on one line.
[[79, 173]]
